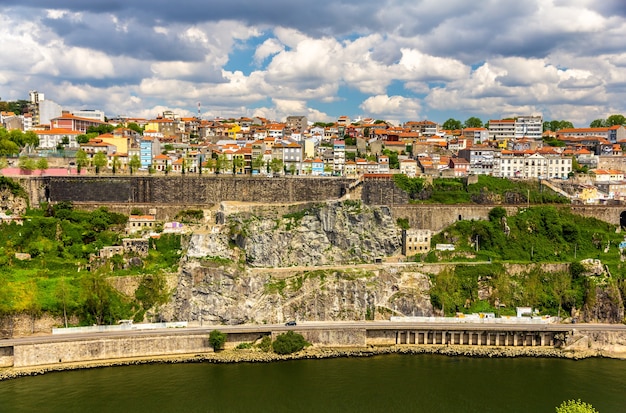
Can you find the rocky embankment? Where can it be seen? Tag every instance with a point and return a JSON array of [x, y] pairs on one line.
[[255, 356]]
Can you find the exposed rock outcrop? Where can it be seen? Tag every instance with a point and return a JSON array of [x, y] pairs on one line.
[[215, 287], [229, 295], [11, 203], [333, 233]]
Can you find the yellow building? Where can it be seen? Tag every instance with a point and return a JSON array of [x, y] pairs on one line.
[[120, 142]]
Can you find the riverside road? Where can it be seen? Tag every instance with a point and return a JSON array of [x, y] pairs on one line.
[[311, 326]]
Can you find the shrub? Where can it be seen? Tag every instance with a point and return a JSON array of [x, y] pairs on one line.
[[288, 343], [265, 344], [217, 339], [575, 406]]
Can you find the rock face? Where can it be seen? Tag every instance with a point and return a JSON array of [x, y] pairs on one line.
[[10, 203], [606, 306], [230, 295], [273, 286], [333, 233]]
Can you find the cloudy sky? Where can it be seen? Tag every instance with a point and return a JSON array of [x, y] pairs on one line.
[[387, 59]]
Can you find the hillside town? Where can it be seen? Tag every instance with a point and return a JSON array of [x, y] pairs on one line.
[[524, 147]]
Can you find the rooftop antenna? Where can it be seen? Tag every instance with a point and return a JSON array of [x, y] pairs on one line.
[[199, 106]]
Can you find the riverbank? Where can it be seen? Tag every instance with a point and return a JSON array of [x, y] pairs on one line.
[[256, 356]]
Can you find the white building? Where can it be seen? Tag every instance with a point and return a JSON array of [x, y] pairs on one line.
[[90, 114], [502, 129], [529, 127]]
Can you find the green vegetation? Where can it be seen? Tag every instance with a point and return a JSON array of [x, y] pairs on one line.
[[14, 187], [488, 190], [60, 279], [575, 406], [217, 339], [551, 293], [537, 234], [11, 142], [265, 344], [288, 343], [190, 215], [403, 223], [412, 186]]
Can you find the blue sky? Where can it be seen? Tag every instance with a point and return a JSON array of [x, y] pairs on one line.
[[396, 60]]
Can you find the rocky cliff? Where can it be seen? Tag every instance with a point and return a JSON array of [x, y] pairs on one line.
[[227, 294], [330, 233], [253, 269]]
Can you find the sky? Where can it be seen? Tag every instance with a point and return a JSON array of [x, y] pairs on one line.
[[396, 60]]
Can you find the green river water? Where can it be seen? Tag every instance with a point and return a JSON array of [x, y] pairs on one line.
[[389, 383]]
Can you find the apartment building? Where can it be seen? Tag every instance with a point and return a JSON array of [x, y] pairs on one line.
[[530, 127]]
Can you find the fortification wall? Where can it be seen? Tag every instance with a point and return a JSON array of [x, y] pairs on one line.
[[206, 192], [185, 190]]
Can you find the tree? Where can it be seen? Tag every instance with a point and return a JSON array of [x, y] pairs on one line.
[[557, 125], [116, 164], [288, 343], [152, 291], [134, 164], [81, 160], [292, 168], [42, 164], [27, 163], [99, 161], [412, 186], [257, 163], [8, 147], [496, 214], [101, 129], [238, 164], [615, 120], [217, 339], [133, 126], [452, 124], [473, 122], [597, 123], [575, 406], [276, 165]]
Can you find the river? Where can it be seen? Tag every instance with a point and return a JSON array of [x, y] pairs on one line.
[[389, 383]]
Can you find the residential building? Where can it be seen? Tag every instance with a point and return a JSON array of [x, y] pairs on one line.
[[53, 138], [476, 135], [460, 166], [501, 129], [530, 127], [416, 241], [292, 156], [297, 123], [605, 176], [408, 167], [424, 128], [148, 148], [613, 134], [339, 155], [140, 223], [481, 159]]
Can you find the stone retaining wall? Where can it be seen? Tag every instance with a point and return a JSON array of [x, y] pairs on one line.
[[28, 355]]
